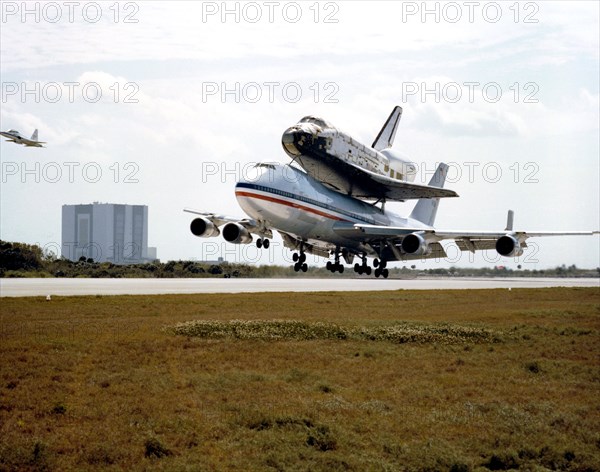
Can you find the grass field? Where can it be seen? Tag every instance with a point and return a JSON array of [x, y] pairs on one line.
[[407, 380]]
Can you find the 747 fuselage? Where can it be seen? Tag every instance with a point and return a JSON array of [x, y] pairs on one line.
[[335, 204]]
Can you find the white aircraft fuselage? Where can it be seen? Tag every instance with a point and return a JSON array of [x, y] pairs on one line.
[[292, 202], [331, 156], [320, 148], [340, 162], [14, 136], [322, 209]]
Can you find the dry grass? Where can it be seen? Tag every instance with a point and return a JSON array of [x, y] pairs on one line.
[[103, 382]]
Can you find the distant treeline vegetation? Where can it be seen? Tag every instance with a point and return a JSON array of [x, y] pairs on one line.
[[27, 260]]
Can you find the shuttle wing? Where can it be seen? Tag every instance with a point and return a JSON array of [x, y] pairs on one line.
[[359, 182], [397, 190]]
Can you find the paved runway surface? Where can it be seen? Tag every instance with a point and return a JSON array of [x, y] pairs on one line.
[[43, 287]]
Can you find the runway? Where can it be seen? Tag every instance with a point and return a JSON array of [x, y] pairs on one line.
[[65, 287]]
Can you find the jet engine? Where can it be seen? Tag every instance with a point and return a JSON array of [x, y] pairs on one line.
[[235, 233], [509, 246], [203, 228], [415, 245]]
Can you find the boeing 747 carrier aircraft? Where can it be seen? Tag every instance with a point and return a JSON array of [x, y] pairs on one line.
[[327, 218]]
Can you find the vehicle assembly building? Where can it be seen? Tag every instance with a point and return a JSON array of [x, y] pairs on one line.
[[106, 232]]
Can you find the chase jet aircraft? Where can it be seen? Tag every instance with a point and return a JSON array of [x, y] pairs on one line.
[[15, 137], [316, 217]]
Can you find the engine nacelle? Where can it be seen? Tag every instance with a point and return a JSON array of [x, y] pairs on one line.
[[509, 246], [235, 233], [203, 228], [415, 245]]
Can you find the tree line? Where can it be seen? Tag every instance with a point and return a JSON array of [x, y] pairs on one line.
[[29, 260]]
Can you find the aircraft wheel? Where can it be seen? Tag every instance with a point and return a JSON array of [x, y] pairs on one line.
[[304, 267], [259, 243], [383, 264], [385, 273], [357, 268], [328, 266], [295, 257], [302, 258], [296, 267], [368, 270], [376, 263], [266, 243], [377, 273], [340, 268]]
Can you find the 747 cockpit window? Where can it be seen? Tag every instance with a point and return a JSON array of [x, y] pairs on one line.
[[265, 165]]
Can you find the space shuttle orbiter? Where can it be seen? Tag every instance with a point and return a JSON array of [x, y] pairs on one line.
[[373, 172]]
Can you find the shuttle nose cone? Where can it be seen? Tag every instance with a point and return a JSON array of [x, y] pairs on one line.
[[300, 138], [290, 141], [288, 135]]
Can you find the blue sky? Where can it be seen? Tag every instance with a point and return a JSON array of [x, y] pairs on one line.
[[527, 139]]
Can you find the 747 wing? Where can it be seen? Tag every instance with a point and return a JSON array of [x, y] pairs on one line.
[[234, 230], [415, 242]]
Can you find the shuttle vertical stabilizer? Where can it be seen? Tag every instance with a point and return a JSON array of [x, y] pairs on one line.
[[386, 136]]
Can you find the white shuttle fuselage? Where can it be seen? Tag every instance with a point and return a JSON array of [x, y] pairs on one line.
[[320, 148], [345, 165]]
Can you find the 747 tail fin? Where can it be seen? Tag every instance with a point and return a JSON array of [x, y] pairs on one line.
[[426, 208]]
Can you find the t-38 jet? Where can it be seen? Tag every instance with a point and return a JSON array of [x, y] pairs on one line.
[[15, 137], [321, 213]]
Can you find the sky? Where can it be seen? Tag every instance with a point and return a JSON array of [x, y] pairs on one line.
[[167, 104]]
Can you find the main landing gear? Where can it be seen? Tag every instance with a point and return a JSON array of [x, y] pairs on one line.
[[381, 270], [362, 268], [336, 266], [300, 261], [263, 242]]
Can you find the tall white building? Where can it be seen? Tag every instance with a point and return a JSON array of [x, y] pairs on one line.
[[105, 232]]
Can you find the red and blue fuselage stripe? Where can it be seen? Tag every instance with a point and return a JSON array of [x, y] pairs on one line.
[[307, 204]]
